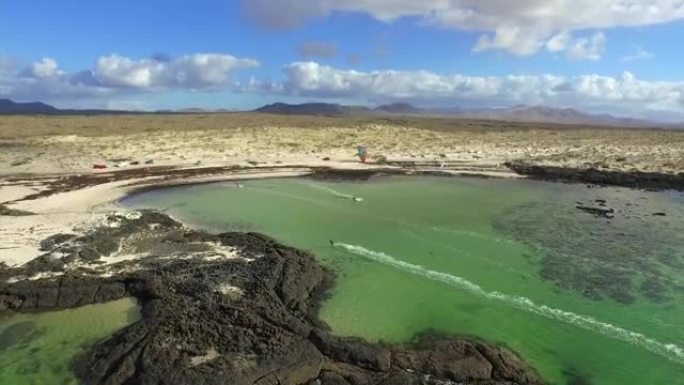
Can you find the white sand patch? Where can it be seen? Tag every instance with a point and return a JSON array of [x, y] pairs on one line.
[[13, 192], [117, 258], [88, 200], [117, 270], [20, 237], [35, 277], [68, 212], [210, 355], [115, 219], [229, 290], [221, 253]]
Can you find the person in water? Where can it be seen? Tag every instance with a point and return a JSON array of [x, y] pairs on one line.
[[332, 244]]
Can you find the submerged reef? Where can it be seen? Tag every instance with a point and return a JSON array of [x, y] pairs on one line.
[[230, 308]]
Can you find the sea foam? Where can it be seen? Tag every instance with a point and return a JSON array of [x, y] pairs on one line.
[[331, 191], [668, 350]]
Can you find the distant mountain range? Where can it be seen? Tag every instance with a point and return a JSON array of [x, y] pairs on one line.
[[8, 107], [540, 114], [520, 113], [324, 109]]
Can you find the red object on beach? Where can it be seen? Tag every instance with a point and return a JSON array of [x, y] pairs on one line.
[[99, 166]]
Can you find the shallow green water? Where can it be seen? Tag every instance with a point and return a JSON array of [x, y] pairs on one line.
[[581, 298], [38, 348]]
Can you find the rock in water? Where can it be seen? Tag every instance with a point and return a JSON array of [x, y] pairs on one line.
[[597, 211], [250, 320]]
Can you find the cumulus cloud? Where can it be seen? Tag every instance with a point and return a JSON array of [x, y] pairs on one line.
[[193, 71], [588, 48], [521, 27], [44, 68], [622, 94], [322, 49], [114, 74]]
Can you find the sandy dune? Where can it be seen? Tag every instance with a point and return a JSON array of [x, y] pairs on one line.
[[74, 144]]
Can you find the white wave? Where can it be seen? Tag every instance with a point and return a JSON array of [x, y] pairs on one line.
[[669, 351], [333, 192]]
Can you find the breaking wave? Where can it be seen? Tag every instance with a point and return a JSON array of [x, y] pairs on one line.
[[669, 351], [331, 191]]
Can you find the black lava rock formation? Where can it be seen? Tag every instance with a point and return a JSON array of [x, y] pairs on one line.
[[248, 320]]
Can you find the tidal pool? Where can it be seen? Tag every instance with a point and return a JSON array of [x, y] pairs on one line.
[[37, 349], [584, 299]]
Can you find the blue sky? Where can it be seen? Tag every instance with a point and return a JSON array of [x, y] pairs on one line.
[[618, 56]]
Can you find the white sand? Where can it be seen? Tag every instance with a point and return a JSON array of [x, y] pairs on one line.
[[457, 151], [79, 210], [10, 192]]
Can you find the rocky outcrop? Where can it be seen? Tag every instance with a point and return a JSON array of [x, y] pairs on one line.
[[632, 179], [597, 211], [262, 330]]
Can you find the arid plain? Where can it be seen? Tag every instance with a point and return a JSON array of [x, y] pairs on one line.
[[64, 144]]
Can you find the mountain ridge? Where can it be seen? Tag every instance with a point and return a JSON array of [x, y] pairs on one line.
[[518, 113]]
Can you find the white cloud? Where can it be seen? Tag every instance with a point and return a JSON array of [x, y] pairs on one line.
[[622, 94], [638, 54], [521, 27], [516, 40], [45, 68], [192, 71], [116, 78], [116, 75], [586, 48], [559, 42]]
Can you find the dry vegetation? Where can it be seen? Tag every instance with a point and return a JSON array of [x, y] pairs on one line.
[[74, 143]]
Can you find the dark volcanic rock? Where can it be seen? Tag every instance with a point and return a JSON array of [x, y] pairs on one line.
[[53, 241], [345, 175], [597, 211], [634, 179], [241, 321], [452, 360]]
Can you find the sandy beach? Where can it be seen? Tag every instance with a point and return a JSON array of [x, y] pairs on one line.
[[51, 193], [69, 144], [39, 152]]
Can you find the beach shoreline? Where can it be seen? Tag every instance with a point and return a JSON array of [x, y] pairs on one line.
[[261, 294], [53, 201], [37, 207]]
